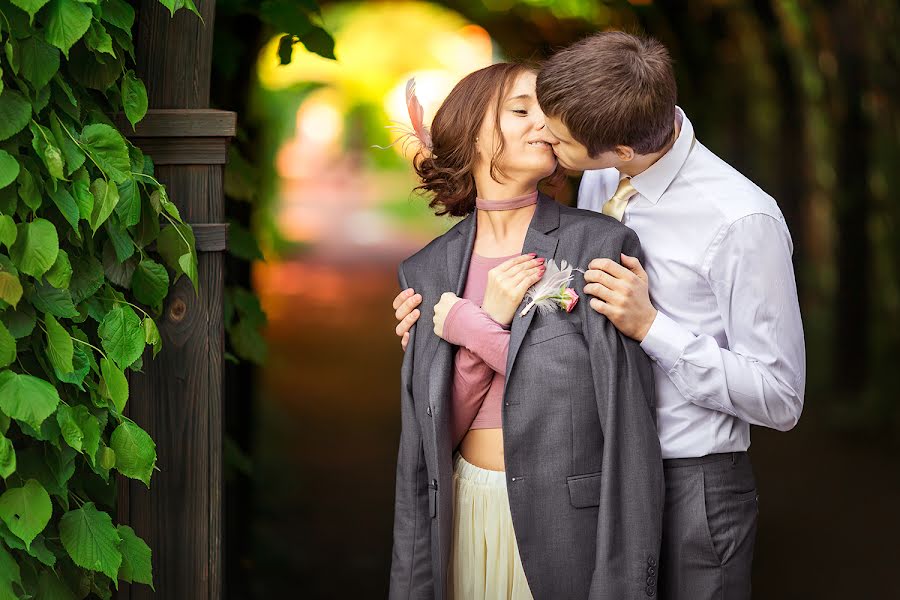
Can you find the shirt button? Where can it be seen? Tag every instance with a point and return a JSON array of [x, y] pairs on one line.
[[513, 479]]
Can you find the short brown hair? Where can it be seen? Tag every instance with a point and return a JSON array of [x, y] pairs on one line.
[[447, 171], [611, 89]]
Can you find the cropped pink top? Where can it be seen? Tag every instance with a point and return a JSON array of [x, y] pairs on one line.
[[479, 374]]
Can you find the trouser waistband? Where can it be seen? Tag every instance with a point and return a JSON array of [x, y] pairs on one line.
[[674, 463]]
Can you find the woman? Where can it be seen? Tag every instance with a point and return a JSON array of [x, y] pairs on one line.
[[556, 488]]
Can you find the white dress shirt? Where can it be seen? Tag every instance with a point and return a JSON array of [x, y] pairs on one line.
[[727, 343]]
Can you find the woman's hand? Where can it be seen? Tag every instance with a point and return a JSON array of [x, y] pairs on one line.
[[441, 309], [507, 284]]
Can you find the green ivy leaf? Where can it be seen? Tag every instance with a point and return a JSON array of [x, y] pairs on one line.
[[81, 365], [10, 288], [150, 282], [38, 61], [118, 13], [7, 230], [129, 207], [67, 207], [81, 186], [151, 335], [107, 147], [26, 510], [172, 245], [121, 335], [36, 247], [72, 154], [136, 563], [26, 398], [91, 540], [7, 457], [7, 346], [69, 427], [67, 23], [9, 574], [87, 277], [135, 452], [15, 113], [98, 39], [134, 98], [115, 385], [30, 6], [59, 345], [42, 140], [60, 274], [106, 196], [9, 168], [51, 585], [28, 190], [46, 298]]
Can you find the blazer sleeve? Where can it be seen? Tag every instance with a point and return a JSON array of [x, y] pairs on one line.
[[629, 524], [411, 575]]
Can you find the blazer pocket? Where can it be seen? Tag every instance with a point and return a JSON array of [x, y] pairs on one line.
[[553, 330], [584, 490]]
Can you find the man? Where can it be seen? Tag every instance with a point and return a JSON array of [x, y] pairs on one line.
[[714, 307]]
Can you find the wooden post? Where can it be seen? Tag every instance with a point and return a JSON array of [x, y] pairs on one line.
[[178, 397]]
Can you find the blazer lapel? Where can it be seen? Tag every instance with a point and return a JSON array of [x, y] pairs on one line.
[[459, 253], [543, 241]]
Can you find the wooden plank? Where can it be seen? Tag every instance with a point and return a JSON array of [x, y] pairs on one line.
[[178, 396], [185, 151], [180, 123]]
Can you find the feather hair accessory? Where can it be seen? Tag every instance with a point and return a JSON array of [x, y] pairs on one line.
[[551, 292], [417, 130]]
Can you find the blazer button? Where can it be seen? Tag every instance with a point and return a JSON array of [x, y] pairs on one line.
[[651, 561], [434, 483], [428, 410], [650, 591], [651, 571]]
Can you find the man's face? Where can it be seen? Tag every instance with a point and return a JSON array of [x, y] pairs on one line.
[[572, 155]]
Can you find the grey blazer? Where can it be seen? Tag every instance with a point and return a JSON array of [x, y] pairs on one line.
[[583, 466]]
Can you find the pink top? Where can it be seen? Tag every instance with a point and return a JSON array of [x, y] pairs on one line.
[[479, 373], [480, 364]]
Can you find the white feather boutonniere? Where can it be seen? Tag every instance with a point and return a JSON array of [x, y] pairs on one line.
[[551, 291]]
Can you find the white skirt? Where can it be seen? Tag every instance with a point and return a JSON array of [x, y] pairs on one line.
[[484, 557]]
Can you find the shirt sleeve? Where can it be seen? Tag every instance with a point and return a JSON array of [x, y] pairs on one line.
[[470, 327], [760, 376]]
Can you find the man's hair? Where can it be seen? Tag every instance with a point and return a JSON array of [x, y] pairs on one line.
[[611, 89]]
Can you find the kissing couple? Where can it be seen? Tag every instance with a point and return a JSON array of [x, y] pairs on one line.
[[578, 384]]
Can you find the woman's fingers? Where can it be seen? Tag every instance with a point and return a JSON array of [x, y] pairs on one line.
[[528, 279]]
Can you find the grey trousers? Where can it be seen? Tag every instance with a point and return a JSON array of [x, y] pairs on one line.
[[709, 528]]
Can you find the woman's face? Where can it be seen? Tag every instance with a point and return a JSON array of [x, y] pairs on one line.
[[527, 152]]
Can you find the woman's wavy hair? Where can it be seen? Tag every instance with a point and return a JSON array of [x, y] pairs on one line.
[[447, 170]]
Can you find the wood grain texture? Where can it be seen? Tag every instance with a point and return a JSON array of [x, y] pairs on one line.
[[178, 397]]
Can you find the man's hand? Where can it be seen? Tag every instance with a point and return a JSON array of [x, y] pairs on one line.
[[406, 312], [621, 294], [441, 310]]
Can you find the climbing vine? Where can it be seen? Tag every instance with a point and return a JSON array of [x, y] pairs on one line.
[[90, 244]]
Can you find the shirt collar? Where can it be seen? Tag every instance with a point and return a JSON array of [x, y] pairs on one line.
[[652, 183]]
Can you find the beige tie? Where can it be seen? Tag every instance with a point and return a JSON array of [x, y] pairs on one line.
[[615, 206]]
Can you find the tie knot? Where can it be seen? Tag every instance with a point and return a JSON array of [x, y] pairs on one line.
[[615, 206], [625, 189]]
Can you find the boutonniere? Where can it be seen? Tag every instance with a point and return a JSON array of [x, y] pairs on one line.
[[552, 290]]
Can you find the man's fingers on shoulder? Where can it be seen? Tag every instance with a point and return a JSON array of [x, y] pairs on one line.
[[401, 297], [598, 264], [598, 305]]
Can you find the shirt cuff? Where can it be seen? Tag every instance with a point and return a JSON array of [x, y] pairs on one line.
[[665, 341]]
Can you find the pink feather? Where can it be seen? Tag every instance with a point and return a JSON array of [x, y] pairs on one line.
[[416, 113]]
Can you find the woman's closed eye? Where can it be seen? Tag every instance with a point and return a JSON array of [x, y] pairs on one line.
[[520, 111]]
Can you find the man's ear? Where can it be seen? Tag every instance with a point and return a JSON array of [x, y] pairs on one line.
[[625, 153]]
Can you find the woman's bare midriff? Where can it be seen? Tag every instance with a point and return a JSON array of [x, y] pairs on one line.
[[484, 448]]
